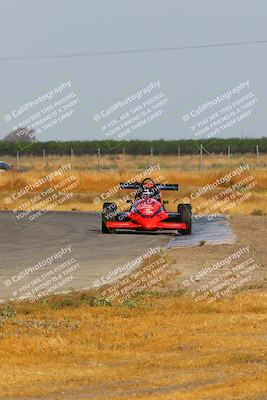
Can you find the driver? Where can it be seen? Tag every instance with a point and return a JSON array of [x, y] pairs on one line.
[[147, 191]]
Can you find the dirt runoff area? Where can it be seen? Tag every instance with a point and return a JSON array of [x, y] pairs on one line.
[[212, 272]]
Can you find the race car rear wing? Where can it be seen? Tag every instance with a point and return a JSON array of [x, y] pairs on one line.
[[168, 186], [160, 186]]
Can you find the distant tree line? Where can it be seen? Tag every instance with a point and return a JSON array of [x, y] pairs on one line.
[[136, 147], [25, 135]]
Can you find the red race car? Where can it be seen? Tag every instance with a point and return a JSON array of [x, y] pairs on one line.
[[147, 211]]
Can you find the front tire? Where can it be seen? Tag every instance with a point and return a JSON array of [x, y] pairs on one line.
[[185, 211], [108, 214]]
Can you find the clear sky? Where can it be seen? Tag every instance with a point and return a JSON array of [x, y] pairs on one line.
[[188, 78]]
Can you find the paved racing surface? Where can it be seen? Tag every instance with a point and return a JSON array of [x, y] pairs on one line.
[[27, 248], [26, 245]]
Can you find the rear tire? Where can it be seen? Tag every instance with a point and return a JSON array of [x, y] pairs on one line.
[[185, 211], [108, 214]]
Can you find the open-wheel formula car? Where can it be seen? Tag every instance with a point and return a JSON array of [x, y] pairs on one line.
[[147, 212]]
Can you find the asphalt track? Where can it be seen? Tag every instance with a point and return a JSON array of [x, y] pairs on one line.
[[25, 245]]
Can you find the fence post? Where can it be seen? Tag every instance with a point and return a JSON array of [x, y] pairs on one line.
[[18, 160], [71, 155], [257, 153], [98, 158], [44, 159], [229, 151], [201, 157]]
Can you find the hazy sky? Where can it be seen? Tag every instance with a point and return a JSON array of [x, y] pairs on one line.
[[188, 78]]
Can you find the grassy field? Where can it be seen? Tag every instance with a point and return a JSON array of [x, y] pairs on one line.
[[95, 177], [157, 347]]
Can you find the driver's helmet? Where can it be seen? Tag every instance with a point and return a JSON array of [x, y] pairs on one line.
[[146, 192]]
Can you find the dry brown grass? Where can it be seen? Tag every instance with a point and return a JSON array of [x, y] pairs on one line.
[[162, 347], [155, 347], [92, 182]]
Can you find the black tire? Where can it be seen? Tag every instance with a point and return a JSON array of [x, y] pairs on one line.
[[108, 214], [185, 211]]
